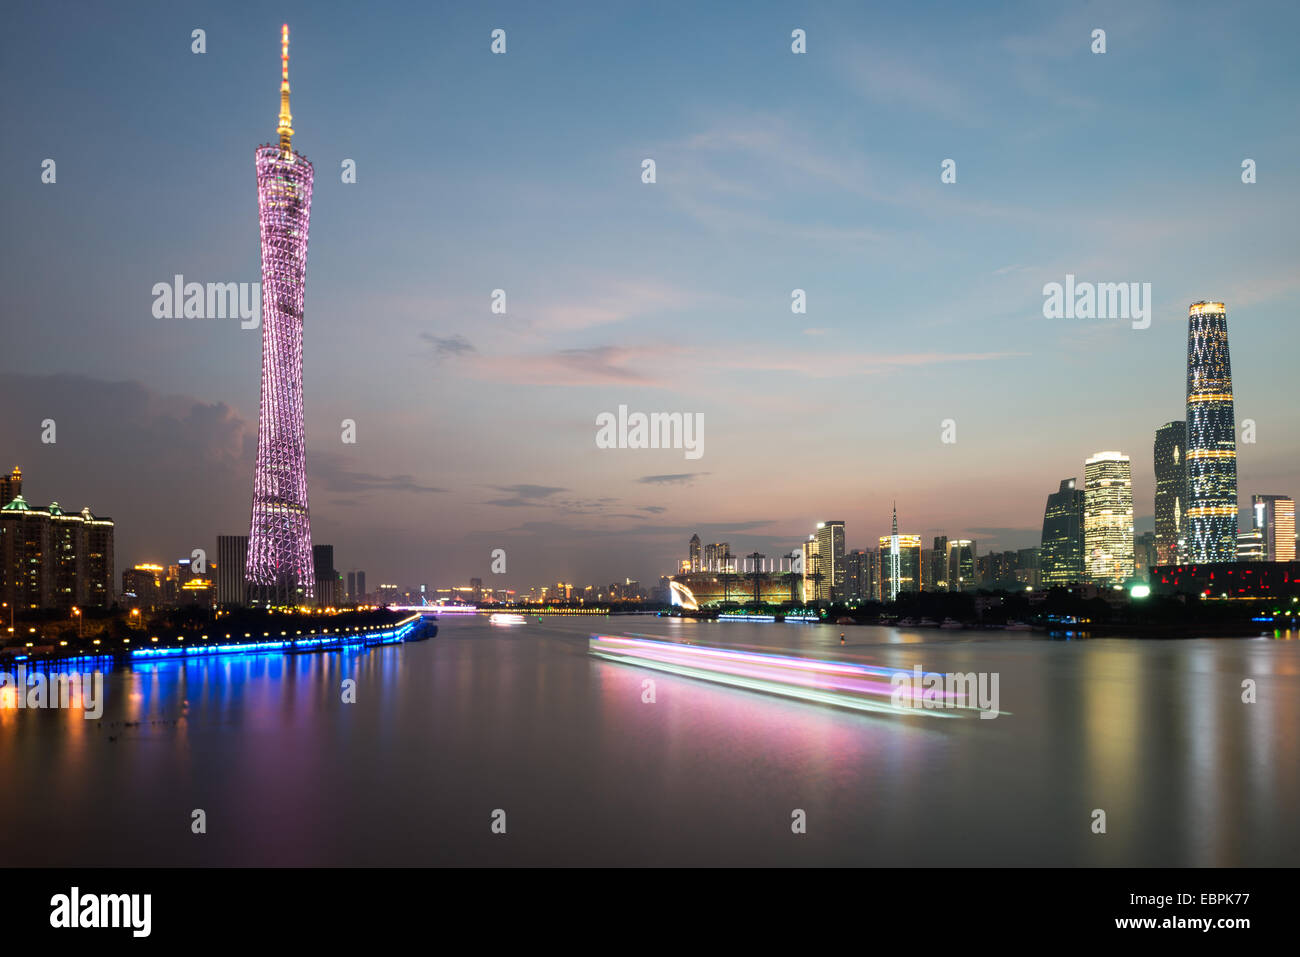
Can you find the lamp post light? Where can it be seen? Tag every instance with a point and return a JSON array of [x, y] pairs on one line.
[[76, 613]]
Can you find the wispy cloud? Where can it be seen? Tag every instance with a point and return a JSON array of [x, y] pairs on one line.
[[676, 478]]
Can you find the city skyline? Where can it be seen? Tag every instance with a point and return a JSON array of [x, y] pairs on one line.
[[489, 440]]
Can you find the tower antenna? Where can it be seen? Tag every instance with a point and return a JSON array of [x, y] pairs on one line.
[[286, 118]]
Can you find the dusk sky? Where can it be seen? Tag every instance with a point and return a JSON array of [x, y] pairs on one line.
[[522, 172]]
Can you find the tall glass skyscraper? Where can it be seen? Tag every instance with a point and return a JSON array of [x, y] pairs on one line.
[[1171, 491], [279, 569], [961, 565], [1060, 554], [1108, 518], [830, 556], [1211, 438]]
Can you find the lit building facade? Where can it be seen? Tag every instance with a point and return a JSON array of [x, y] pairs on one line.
[[11, 486], [961, 566], [279, 566], [830, 558], [1171, 491], [900, 565], [695, 553], [1108, 518], [1274, 519], [812, 573], [52, 559], [718, 557], [1060, 552], [1211, 438], [858, 574]]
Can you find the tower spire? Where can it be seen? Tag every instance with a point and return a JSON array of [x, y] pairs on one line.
[[286, 118], [895, 531]]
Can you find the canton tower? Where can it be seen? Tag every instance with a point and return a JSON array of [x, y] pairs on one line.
[[1211, 451], [279, 570]]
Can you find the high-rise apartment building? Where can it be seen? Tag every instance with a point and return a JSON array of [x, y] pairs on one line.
[[52, 559], [11, 486]]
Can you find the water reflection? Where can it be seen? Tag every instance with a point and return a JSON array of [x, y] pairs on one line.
[[441, 733]]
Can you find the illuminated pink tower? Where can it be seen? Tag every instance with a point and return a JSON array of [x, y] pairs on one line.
[[279, 570]]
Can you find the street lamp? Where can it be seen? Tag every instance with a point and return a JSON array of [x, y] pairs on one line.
[[76, 613]]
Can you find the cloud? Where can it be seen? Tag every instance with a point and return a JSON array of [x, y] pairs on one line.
[[674, 478], [328, 469], [596, 365], [449, 347], [523, 495]]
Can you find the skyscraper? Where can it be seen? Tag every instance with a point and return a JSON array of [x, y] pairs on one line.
[[232, 557], [900, 562], [830, 556], [857, 574], [322, 558], [960, 565], [1060, 554], [812, 574], [1274, 518], [894, 573], [1211, 438], [279, 569], [1171, 491], [939, 564], [1108, 518], [695, 553]]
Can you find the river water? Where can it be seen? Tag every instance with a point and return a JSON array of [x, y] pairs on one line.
[[525, 721]]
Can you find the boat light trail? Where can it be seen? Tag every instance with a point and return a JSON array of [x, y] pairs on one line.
[[837, 683]]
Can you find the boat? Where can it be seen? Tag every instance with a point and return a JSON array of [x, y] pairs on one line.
[[928, 623], [951, 623], [905, 623], [506, 618], [1019, 626]]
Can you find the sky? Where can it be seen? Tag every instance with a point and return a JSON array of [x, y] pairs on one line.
[[522, 171]]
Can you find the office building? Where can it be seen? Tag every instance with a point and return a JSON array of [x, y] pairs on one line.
[[1171, 491], [1108, 519], [1060, 555], [1211, 438], [232, 555], [1274, 517], [830, 557]]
